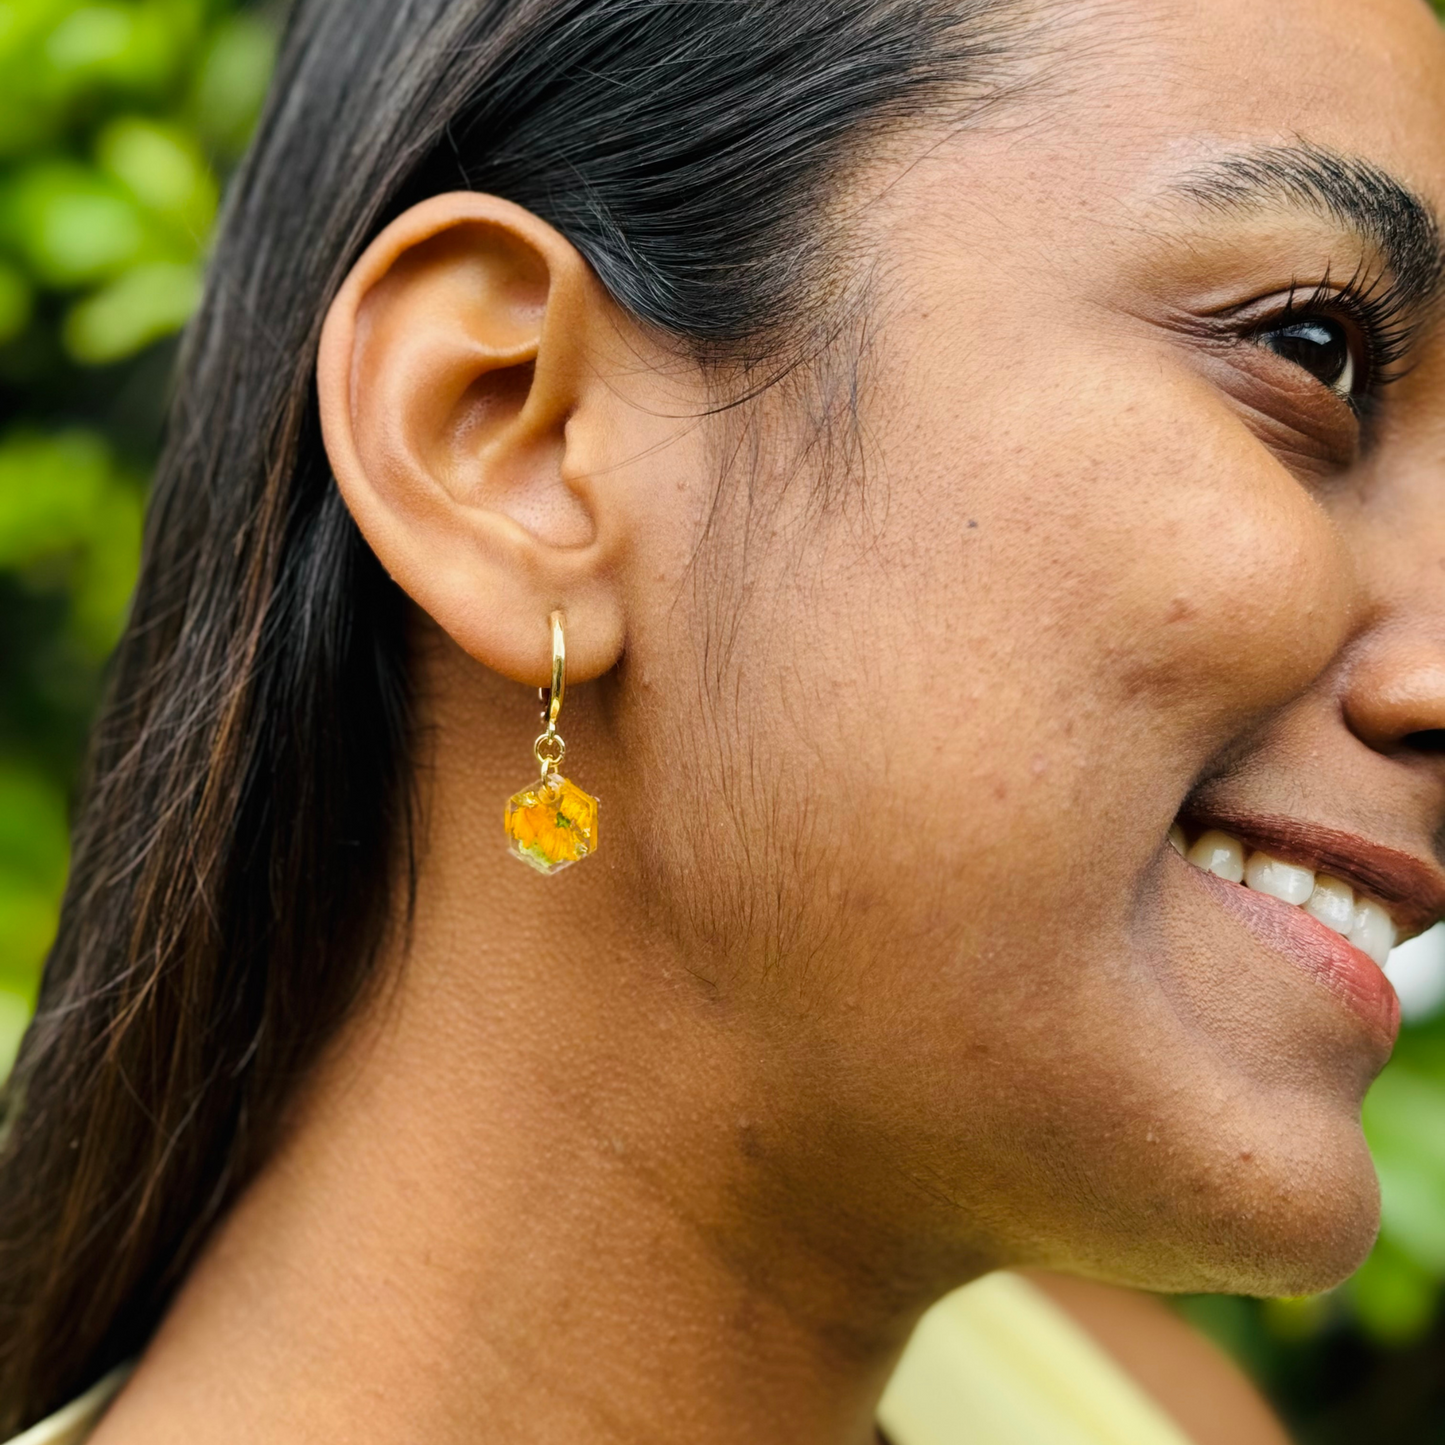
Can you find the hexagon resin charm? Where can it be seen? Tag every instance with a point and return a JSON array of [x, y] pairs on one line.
[[552, 824]]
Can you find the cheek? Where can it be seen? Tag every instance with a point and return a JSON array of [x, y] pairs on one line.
[[1028, 630], [1162, 551], [1229, 590], [982, 695], [1098, 575]]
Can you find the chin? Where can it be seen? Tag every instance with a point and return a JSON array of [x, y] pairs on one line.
[[1294, 1211], [1312, 1248], [1299, 1227]]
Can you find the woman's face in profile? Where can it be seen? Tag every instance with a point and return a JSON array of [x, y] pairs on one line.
[[1146, 531]]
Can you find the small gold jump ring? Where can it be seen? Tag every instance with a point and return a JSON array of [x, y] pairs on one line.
[[550, 752]]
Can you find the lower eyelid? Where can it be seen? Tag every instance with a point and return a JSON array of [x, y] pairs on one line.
[[1316, 432]]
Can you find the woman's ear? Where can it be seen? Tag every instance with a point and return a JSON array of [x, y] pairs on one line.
[[453, 375]]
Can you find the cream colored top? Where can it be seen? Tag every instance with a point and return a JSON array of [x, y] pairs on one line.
[[997, 1363]]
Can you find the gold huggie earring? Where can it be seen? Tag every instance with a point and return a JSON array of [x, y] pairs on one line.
[[553, 824]]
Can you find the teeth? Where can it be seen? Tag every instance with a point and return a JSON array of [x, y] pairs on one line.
[[1280, 880], [1374, 931], [1365, 923], [1219, 854], [1333, 903], [1178, 841]]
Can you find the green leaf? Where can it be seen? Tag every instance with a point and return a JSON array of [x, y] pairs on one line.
[[51, 488], [142, 306], [1404, 1115], [71, 224], [231, 82], [62, 498], [92, 40], [1412, 1208], [163, 170], [134, 49]]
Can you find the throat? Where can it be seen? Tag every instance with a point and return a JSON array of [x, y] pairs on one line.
[[477, 1231]]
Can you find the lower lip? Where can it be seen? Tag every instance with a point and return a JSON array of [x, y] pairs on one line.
[[1354, 978]]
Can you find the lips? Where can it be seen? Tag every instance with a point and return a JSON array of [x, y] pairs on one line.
[[1391, 893], [1411, 889], [1353, 978]]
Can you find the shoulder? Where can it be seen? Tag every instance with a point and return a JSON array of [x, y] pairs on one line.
[[1200, 1386], [74, 1424], [1010, 1359]]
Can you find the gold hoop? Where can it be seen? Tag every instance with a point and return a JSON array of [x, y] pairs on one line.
[[549, 749], [559, 673]]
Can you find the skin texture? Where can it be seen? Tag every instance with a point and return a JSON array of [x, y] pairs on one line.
[[885, 975]]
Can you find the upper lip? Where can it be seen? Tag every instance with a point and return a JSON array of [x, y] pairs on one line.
[[1412, 889]]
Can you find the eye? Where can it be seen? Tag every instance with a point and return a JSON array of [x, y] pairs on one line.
[[1322, 346]]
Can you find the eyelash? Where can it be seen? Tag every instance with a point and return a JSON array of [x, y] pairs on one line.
[[1377, 308]]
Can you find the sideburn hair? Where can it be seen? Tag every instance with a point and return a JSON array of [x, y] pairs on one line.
[[248, 791]]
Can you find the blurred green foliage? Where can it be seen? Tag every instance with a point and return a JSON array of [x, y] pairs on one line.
[[117, 121]]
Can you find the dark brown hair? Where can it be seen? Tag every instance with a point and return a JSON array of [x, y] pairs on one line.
[[248, 790]]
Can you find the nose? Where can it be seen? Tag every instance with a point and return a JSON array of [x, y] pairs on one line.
[[1394, 699], [1395, 693]]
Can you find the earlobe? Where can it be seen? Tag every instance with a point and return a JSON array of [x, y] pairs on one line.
[[452, 369]]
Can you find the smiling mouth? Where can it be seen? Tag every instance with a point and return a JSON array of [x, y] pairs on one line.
[[1372, 897]]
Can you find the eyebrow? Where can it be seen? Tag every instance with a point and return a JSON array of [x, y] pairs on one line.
[[1351, 191]]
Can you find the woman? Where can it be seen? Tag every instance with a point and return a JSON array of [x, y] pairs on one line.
[[971, 457]]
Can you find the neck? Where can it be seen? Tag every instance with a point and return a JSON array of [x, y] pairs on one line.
[[536, 1193]]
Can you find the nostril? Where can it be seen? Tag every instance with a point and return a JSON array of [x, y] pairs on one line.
[[1428, 740]]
